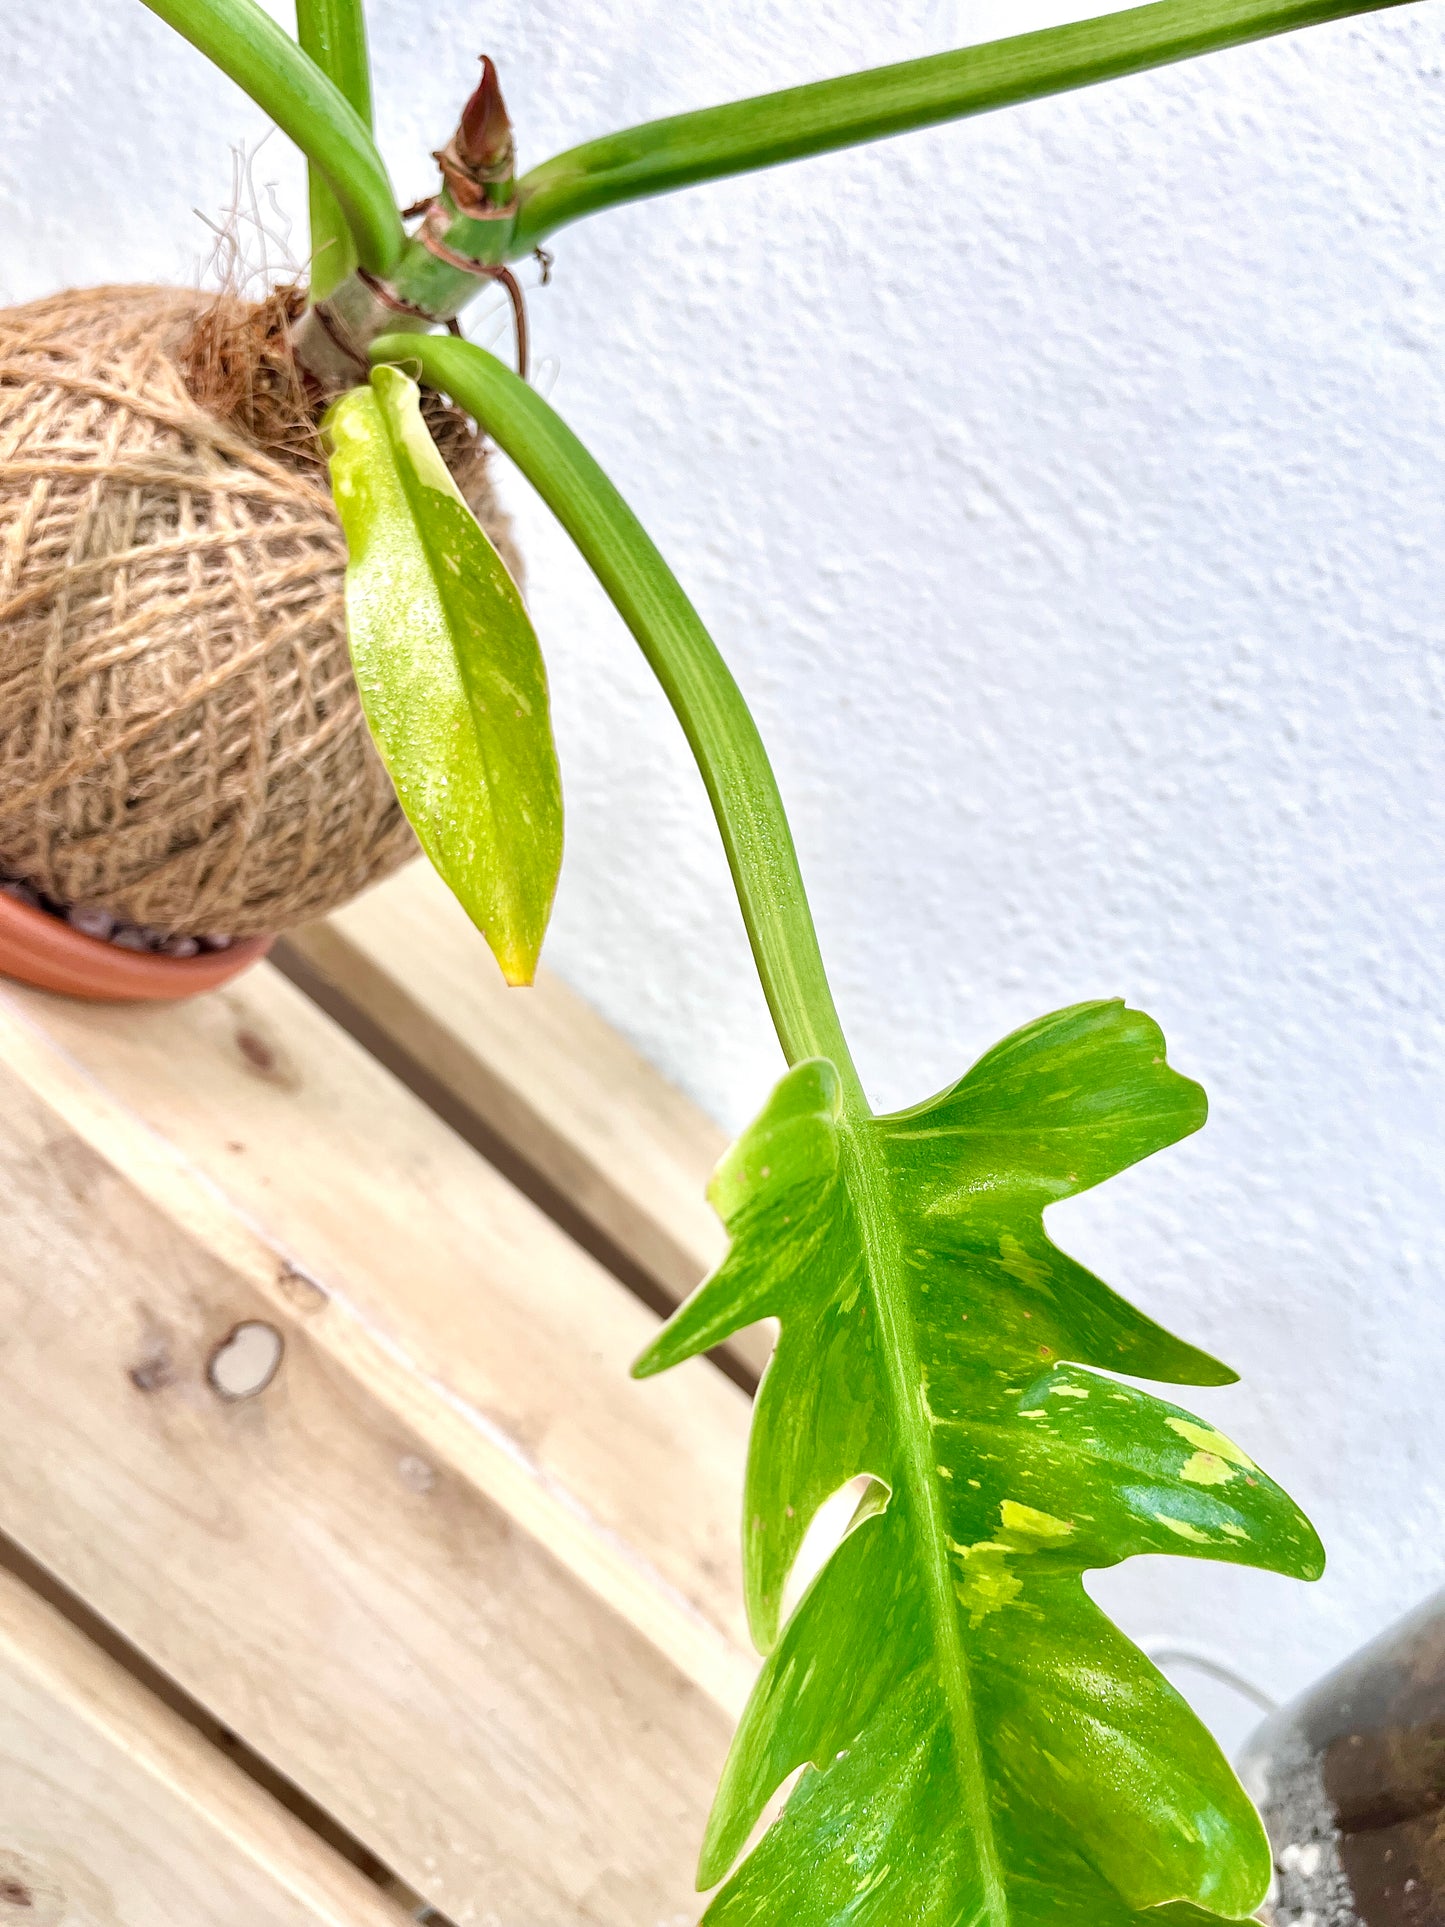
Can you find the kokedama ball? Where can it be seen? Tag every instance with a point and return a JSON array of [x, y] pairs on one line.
[[181, 740]]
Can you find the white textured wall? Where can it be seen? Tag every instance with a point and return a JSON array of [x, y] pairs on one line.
[[1065, 489]]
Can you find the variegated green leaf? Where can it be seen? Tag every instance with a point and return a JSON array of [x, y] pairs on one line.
[[983, 1748], [449, 668]]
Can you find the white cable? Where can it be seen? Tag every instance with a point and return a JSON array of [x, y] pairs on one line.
[[1178, 1652]]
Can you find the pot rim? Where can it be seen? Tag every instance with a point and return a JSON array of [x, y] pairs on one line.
[[39, 949]]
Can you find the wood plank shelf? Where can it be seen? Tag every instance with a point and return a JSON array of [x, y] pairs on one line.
[[115, 1813], [439, 1565], [538, 1080]]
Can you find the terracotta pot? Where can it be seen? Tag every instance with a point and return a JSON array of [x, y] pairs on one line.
[[39, 949]]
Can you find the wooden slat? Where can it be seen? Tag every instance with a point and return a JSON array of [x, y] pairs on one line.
[[387, 1210], [451, 1573], [540, 1070], [114, 1813]]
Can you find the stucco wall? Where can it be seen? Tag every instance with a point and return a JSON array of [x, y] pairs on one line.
[[1065, 489]]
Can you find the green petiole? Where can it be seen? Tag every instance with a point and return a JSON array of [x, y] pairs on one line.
[[322, 104], [771, 128], [333, 33], [246, 44], [686, 661]]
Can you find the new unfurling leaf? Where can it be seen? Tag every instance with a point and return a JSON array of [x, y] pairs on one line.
[[982, 1745], [449, 669]]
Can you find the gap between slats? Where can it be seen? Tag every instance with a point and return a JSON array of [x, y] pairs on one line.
[[101, 1634], [474, 1129]]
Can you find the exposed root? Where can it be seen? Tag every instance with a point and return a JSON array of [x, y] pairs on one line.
[[238, 365], [237, 360]]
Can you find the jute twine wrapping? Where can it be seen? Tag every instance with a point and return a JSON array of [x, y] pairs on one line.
[[181, 739]]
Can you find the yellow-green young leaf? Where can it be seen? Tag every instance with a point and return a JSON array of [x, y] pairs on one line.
[[450, 673]]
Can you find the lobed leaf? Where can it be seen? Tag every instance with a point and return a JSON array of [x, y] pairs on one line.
[[450, 671], [980, 1743]]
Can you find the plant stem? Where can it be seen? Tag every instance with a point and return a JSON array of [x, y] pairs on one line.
[[246, 43], [707, 701], [666, 154], [333, 33], [748, 134]]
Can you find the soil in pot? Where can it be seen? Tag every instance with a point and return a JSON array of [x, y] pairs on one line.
[[82, 953]]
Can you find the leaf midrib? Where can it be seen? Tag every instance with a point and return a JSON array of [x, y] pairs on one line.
[[511, 892], [870, 1190]]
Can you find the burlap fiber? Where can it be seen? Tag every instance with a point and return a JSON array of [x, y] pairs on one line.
[[181, 739]]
